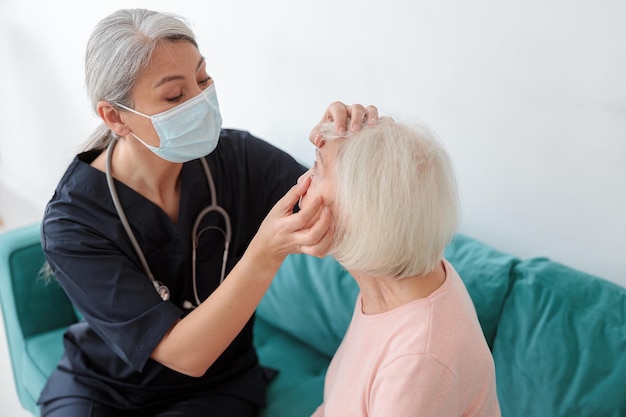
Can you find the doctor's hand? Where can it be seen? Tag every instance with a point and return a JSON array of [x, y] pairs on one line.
[[284, 232], [207, 331], [339, 113]]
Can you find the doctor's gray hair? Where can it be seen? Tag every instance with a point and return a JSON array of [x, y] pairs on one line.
[[118, 50], [397, 200]]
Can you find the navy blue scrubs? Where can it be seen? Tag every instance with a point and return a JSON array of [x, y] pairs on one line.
[[107, 355]]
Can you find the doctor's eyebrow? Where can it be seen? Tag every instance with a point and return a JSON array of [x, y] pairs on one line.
[[176, 77], [199, 63]]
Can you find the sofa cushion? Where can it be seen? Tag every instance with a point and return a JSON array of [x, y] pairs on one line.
[[42, 355], [560, 348], [312, 300], [297, 390]]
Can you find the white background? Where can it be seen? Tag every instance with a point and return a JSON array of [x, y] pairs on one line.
[[529, 97]]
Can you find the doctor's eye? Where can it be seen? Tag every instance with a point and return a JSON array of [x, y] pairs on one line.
[[175, 99], [205, 82]]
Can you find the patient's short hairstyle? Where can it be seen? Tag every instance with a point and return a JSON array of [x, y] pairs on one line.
[[397, 200]]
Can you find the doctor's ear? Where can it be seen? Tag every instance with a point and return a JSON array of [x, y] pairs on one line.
[[110, 115]]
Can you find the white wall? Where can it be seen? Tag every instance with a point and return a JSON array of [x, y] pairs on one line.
[[529, 96]]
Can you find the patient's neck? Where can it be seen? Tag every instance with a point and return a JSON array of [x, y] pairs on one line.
[[381, 294]]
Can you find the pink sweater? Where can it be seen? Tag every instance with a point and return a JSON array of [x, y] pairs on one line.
[[426, 358]]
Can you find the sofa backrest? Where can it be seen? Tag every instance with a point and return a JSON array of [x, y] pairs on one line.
[[560, 346], [312, 300]]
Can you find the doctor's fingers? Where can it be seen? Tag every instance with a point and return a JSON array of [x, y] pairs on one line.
[[371, 115], [336, 112], [360, 115], [316, 240], [339, 113], [322, 246], [305, 219], [284, 221], [284, 206]]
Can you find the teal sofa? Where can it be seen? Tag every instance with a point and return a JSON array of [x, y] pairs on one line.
[[558, 336]]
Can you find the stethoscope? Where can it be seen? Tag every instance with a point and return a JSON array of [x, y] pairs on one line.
[[161, 289]]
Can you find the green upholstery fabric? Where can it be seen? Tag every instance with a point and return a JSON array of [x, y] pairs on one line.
[[37, 296], [41, 357], [297, 389], [300, 323], [312, 300], [558, 336], [31, 308], [560, 349]]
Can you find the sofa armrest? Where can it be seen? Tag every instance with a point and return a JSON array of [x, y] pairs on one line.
[[32, 303]]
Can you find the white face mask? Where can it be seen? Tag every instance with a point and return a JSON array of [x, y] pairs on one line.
[[188, 131]]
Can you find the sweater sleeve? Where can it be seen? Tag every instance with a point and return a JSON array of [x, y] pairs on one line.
[[415, 386]]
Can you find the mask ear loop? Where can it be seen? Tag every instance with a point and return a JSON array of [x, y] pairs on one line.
[[163, 291]]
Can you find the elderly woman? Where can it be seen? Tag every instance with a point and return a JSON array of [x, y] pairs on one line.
[[414, 346]]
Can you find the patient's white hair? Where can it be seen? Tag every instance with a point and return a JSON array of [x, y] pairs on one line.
[[397, 200]]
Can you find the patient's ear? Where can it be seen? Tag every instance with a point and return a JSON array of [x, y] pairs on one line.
[[110, 115]]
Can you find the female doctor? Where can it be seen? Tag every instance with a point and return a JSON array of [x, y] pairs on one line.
[[166, 232]]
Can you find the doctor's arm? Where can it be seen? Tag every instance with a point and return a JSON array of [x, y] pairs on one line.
[[195, 342]]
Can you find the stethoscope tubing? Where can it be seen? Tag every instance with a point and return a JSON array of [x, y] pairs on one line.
[[195, 235]]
